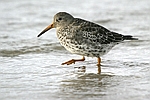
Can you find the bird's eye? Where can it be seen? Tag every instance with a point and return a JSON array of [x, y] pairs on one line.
[[59, 19]]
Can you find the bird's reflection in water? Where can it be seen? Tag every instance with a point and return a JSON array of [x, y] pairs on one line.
[[83, 69], [84, 85], [80, 69]]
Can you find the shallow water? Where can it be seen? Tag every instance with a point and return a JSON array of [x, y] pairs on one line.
[[30, 67]]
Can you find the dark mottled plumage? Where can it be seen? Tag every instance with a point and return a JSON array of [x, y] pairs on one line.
[[87, 38], [83, 37]]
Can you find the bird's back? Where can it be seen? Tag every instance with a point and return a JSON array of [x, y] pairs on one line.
[[97, 33], [89, 39]]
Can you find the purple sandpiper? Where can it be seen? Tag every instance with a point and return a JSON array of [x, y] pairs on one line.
[[83, 37]]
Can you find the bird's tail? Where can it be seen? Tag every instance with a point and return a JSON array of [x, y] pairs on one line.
[[129, 37]]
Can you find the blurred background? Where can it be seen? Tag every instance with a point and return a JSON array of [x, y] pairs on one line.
[[30, 67]]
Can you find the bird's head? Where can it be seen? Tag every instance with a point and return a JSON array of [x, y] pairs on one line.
[[60, 20]]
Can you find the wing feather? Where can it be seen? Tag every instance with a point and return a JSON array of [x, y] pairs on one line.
[[92, 32]]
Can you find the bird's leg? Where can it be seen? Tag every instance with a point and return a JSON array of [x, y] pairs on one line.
[[99, 65], [73, 61]]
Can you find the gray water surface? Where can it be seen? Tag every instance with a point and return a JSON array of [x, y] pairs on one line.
[[30, 67]]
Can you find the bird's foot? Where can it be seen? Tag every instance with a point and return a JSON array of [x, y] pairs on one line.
[[69, 62], [73, 61], [99, 68], [99, 65]]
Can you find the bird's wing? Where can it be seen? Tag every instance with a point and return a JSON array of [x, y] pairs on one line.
[[92, 32]]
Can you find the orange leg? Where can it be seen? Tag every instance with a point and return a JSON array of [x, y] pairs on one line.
[[99, 65], [73, 61]]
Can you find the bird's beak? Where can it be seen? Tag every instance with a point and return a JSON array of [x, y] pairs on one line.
[[46, 29]]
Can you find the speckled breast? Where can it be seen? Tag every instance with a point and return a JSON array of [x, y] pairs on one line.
[[67, 40], [79, 45]]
